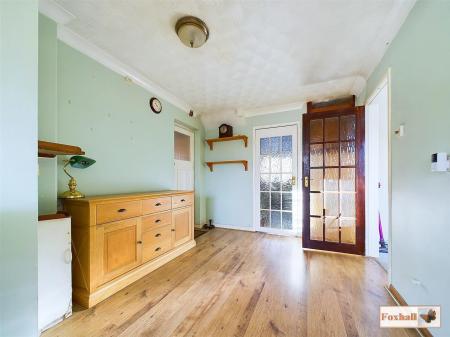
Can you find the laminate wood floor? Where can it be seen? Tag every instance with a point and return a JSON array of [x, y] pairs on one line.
[[244, 284]]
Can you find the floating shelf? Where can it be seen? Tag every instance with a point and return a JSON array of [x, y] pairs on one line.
[[51, 150], [211, 141], [212, 163]]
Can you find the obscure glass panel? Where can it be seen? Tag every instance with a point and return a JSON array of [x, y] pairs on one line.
[[332, 154], [348, 126], [265, 219], [264, 200], [316, 130], [332, 129], [316, 155], [316, 204], [348, 206], [275, 180], [348, 153], [316, 229], [275, 219], [331, 204], [286, 144], [348, 179], [182, 146], [348, 231], [331, 230], [264, 145], [331, 179], [275, 163], [287, 220], [286, 182], [316, 180], [275, 145], [264, 182], [264, 164], [286, 201], [286, 163], [275, 200]]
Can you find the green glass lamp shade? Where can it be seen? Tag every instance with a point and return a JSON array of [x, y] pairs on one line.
[[81, 162]]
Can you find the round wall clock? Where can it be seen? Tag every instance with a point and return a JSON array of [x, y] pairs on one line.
[[155, 105]]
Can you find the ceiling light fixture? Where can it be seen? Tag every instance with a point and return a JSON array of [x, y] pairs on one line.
[[192, 31]]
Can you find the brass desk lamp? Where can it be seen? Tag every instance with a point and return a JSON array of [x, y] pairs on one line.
[[81, 162]]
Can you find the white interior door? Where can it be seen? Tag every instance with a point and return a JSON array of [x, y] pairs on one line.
[[377, 169], [184, 159], [275, 177]]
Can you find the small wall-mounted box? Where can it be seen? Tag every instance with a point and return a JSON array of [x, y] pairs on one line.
[[439, 162]]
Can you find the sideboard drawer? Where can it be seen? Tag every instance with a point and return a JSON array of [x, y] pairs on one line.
[[118, 211], [156, 242], [182, 200], [156, 205], [156, 220]]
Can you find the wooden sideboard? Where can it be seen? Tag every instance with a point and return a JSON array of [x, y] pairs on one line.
[[117, 239]]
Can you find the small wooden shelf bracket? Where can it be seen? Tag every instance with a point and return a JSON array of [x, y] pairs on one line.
[[211, 141], [212, 163]]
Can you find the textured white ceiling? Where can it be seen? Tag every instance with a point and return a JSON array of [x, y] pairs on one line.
[[260, 53]]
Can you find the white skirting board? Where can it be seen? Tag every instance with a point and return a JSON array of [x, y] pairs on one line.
[[248, 229]]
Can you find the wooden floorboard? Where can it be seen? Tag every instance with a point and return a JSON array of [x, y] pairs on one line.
[[244, 284]]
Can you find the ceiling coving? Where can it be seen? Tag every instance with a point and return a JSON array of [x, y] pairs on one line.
[[260, 56], [192, 31]]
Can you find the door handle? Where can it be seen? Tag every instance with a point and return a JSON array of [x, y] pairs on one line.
[[293, 180], [139, 242], [158, 204], [159, 248], [157, 235], [306, 179]]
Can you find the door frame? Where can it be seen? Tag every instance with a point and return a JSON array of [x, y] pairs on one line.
[[371, 190], [359, 247], [298, 232], [191, 133]]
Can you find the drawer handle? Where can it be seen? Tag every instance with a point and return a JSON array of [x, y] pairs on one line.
[[157, 235], [158, 204], [159, 248], [182, 200], [158, 220], [121, 210], [173, 230], [139, 242]]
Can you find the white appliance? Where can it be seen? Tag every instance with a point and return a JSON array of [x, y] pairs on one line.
[[54, 272]]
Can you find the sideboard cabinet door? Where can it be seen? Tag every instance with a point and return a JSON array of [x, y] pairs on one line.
[[182, 225], [118, 248]]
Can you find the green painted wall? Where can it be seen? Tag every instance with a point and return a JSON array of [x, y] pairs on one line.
[[18, 169], [229, 189], [420, 61], [110, 119], [47, 116]]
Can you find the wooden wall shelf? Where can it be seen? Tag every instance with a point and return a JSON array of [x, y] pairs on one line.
[[211, 141], [212, 163], [51, 150]]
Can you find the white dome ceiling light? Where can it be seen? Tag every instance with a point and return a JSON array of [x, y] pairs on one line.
[[192, 31]]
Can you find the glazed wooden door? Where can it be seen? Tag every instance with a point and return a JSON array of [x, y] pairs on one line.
[[333, 181]]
